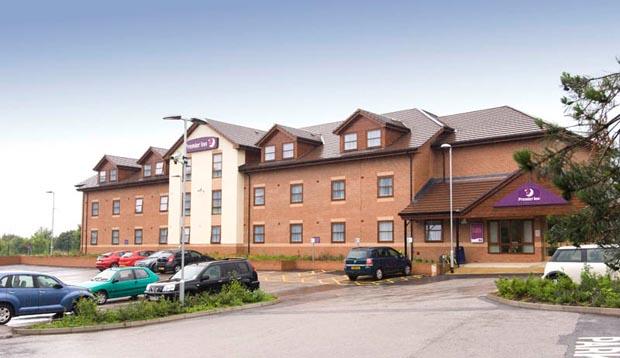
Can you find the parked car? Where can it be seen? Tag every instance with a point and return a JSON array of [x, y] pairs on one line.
[[130, 258], [26, 293], [151, 261], [206, 276], [376, 262], [120, 282], [109, 259], [170, 261], [570, 261]]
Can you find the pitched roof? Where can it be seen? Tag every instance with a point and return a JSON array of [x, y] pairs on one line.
[[160, 151], [434, 198], [382, 119], [118, 161], [295, 132]]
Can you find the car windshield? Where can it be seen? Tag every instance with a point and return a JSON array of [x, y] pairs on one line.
[[358, 254], [191, 272], [104, 275], [107, 254], [129, 254], [160, 254]]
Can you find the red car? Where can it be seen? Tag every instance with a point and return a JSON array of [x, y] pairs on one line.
[[130, 258], [109, 259]]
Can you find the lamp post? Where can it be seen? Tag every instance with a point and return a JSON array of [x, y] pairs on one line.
[[53, 210], [182, 194], [449, 148]]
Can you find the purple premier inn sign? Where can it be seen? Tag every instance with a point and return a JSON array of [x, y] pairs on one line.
[[203, 143], [530, 194]]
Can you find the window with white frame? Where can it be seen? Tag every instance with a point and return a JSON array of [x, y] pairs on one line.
[[159, 168], [102, 176], [296, 233], [270, 152], [259, 196], [288, 150], [385, 186], [350, 141], [373, 138], [217, 166], [216, 202], [433, 231], [163, 203], [139, 205]]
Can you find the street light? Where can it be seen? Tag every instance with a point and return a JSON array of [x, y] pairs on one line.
[[53, 210], [449, 148], [183, 163]]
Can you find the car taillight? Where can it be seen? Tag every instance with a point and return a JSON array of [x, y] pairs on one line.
[[368, 262], [171, 258]]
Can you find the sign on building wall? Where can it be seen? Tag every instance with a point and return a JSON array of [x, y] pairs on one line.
[[202, 144], [476, 233], [530, 194]]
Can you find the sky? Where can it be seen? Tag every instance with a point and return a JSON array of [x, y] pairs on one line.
[[80, 79]]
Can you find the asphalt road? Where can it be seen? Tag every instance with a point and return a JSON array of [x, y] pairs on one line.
[[442, 319]]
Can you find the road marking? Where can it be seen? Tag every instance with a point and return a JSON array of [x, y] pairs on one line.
[[597, 347]]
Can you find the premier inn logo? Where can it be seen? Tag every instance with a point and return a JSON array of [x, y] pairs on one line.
[[202, 144], [530, 194]]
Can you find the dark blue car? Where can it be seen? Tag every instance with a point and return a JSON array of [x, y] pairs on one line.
[[27, 293], [376, 262]]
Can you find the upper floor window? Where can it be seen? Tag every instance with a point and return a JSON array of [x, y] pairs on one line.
[[433, 230], [159, 168], [373, 138], [270, 152], [259, 196], [116, 207], [94, 208], [288, 150], [385, 187], [217, 166], [216, 202], [338, 190], [350, 141], [139, 205], [385, 231], [113, 175], [163, 203], [216, 234], [297, 193], [187, 204], [188, 170], [102, 176], [147, 170]]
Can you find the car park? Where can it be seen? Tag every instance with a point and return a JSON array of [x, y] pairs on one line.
[[170, 261], [376, 262], [151, 261], [120, 282], [130, 258], [206, 277], [571, 261], [109, 259], [27, 293]]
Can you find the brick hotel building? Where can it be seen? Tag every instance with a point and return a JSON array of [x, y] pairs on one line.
[[370, 179]]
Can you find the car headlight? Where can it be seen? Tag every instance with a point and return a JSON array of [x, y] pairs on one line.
[[148, 287], [169, 287]]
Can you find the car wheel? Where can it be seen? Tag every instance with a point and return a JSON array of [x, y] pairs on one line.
[[379, 274], [6, 313], [352, 277], [58, 315], [134, 297], [407, 270], [101, 297], [177, 268]]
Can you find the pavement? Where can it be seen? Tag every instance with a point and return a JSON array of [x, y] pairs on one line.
[[447, 318], [501, 268]]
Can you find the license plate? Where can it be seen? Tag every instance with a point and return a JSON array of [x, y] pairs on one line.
[[355, 267]]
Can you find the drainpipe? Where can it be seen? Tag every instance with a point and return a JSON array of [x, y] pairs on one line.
[[249, 229], [85, 221]]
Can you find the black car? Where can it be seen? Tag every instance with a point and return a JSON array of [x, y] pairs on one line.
[[151, 261], [376, 262], [206, 276], [170, 261]]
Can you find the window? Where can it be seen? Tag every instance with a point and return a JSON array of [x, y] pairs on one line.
[[22, 281], [259, 234], [386, 231], [163, 235], [385, 187], [140, 274], [296, 233], [137, 236], [373, 138], [217, 166], [338, 190], [259, 196], [568, 255], [288, 150], [433, 231], [213, 273], [115, 237], [46, 282], [125, 275], [216, 205], [187, 204], [270, 152], [163, 203], [94, 208], [350, 141], [186, 234], [139, 205], [159, 168], [297, 193], [94, 236], [116, 207], [4, 282], [338, 232], [511, 237], [113, 175], [102, 176], [216, 234], [147, 170], [188, 170]]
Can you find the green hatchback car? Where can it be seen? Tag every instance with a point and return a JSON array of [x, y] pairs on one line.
[[120, 282]]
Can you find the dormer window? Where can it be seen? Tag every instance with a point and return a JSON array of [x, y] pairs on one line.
[[102, 176], [288, 150], [270, 152], [373, 138], [350, 141], [159, 168], [147, 170], [113, 175]]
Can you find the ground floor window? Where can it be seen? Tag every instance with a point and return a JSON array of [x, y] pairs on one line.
[[94, 235], [338, 232], [115, 237], [186, 233], [511, 237], [137, 237], [259, 234], [433, 231], [385, 231], [216, 234], [163, 235], [296, 233]]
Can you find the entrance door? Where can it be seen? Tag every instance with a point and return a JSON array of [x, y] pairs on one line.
[[511, 237]]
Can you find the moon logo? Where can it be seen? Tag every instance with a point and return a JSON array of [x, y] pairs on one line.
[[529, 192]]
